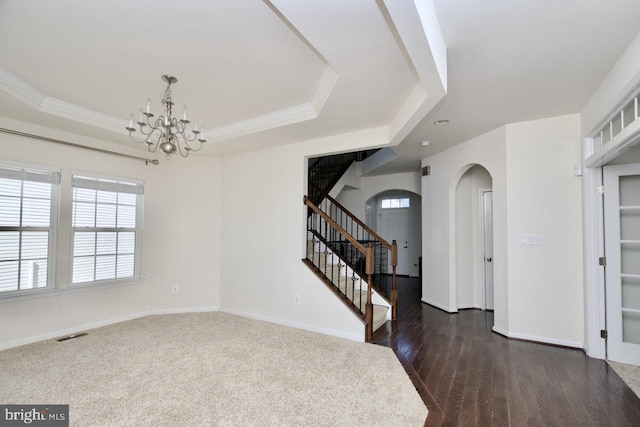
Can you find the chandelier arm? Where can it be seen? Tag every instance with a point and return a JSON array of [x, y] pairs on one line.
[[182, 134], [200, 144], [139, 140], [156, 126], [147, 135], [180, 150], [152, 147], [167, 133], [157, 122]]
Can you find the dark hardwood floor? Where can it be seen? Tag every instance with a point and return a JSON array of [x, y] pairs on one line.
[[476, 377]]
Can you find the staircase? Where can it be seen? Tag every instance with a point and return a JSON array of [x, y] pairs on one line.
[[349, 258], [352, 289], [325, 171]]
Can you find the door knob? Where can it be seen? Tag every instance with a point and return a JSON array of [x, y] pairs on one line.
[[488, 259]]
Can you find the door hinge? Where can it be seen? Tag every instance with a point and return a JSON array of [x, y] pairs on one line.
[[602, 261], [603, 333], [600, 189]]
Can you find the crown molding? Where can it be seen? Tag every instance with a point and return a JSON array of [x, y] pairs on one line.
[[325, 87], [284, 117], [19, 89], [31, 96], [287, 116], [81, 114]]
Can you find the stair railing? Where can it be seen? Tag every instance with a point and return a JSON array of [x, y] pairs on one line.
[[385, 253], [326, 171], [323, 230]]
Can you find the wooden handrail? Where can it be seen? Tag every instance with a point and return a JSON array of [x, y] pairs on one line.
[[367, 251], [335, 225], [353, 217]]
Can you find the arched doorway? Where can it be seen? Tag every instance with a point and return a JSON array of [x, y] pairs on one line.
[[396, 215], [474, 239]]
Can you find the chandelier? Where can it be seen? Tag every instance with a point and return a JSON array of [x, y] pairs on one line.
[[167, 133]]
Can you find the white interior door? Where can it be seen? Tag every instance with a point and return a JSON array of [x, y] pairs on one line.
[[394, 225], [622, 271], [487, 237]]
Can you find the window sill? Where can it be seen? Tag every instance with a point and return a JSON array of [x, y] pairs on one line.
[[13, 296]]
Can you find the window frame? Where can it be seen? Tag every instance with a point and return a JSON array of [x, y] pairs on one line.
[[52, 229], [138, 230], [400, 200]]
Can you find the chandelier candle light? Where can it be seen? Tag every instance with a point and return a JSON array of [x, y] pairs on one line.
[[167, 132]]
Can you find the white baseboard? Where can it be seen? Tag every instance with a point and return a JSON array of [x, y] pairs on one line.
[[469, 306], [87, 326], [184, 310], [438, 305], [290, 324], [543, 340], [68, 331]]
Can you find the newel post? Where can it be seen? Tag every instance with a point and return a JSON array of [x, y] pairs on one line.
[[394, 288], [368, 313]]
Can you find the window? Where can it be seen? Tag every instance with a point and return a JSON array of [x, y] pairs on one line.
[[395, 203], [28, 221], [106, 221], [621, 119]]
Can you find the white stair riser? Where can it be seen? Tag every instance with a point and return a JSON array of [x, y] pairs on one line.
[[345, 275]]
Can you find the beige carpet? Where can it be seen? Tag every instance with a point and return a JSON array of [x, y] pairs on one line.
[[630, 374], [212, 369]]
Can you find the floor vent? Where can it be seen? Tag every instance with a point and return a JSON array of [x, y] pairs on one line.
[[68, 337]]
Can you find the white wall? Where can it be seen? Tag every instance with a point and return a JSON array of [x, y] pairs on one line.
[[355, 199], [263, 239], [181, 239], [620, 81], [439, 249], [537, 290], [546, 297], [183, 219]]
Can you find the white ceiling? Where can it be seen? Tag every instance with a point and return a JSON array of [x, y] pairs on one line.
[[260, 73]]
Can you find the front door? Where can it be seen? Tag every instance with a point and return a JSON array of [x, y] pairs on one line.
[[622, 271], [394, 225]]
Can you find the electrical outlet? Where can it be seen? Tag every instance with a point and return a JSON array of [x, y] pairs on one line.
[[175, 289], [297, 299]]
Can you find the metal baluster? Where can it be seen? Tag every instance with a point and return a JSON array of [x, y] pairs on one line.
[[326, 239], [353, 290], [318, 230]]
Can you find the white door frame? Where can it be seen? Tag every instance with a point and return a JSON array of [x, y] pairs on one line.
[[594, 157], [483, 299], [595, 314]]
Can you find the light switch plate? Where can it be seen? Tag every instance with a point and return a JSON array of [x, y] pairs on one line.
[[532, 240]]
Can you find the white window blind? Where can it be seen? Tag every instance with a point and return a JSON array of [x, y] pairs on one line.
[[106, 228], [28, 207]]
